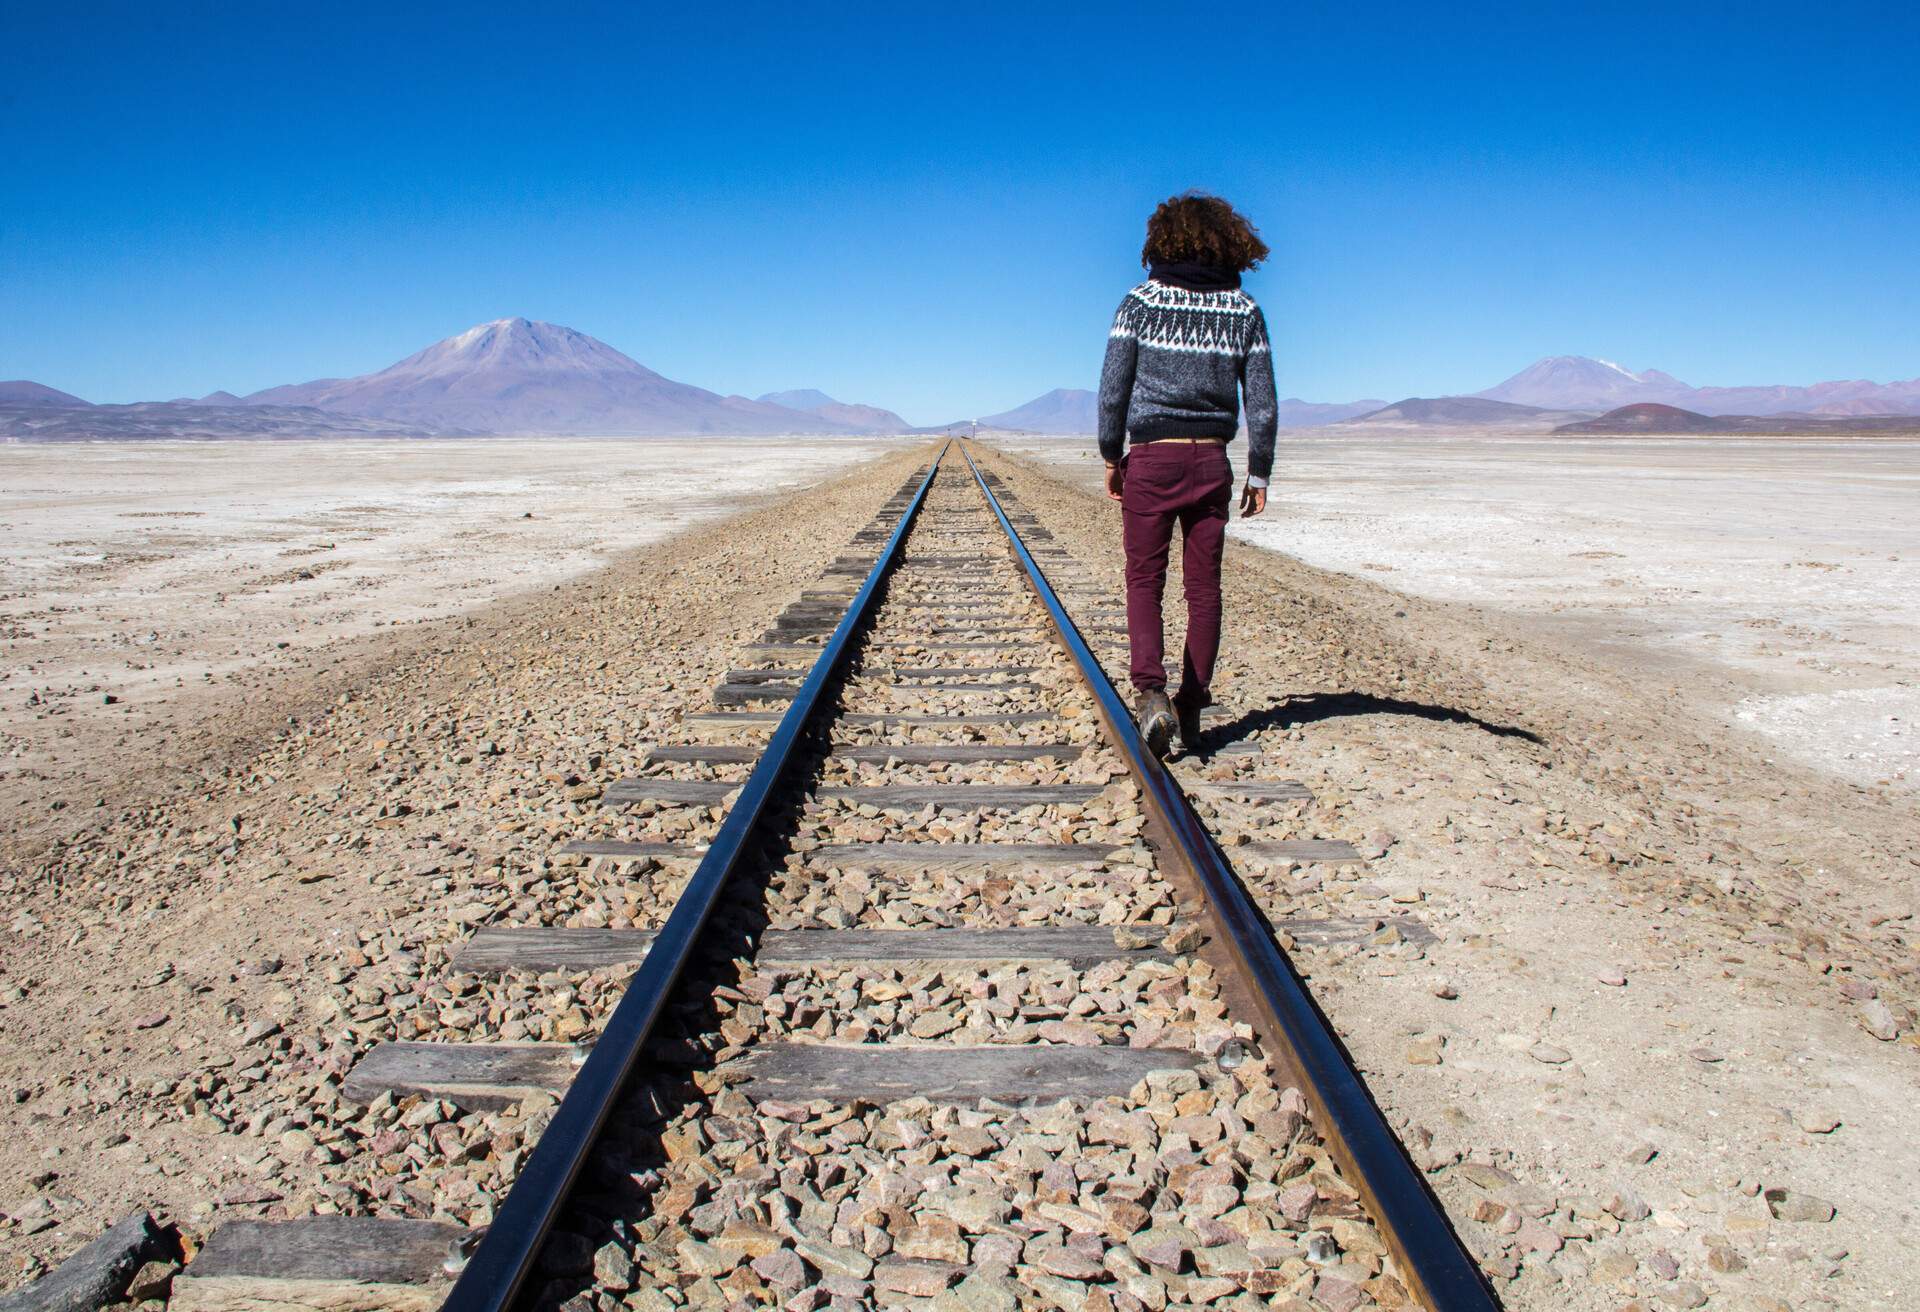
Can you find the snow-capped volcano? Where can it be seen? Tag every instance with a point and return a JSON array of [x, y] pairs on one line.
[[1575, 382], [524, 376], [516, 344]]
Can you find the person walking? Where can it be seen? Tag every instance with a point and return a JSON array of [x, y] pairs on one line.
[[1185, 347]]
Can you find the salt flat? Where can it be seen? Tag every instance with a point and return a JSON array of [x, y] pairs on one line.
[[156, 573], [1774, 582]]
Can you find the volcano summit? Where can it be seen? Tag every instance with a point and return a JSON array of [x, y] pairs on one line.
[[524, 376]]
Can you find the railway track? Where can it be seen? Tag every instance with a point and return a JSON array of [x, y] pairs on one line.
[[958, 1006]]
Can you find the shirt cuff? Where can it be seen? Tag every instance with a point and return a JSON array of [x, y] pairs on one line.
[[1254, 480]]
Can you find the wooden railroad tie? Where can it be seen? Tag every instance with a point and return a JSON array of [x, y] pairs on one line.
[[540, 947], [729, 719], [1303, 850], [743, 692], [350, 1263], [952, 671], [911, 797], [634, 851], [905, 753], [891, 797], [881, 644], [972, 686], [942, 753], [489, 1076], [703, 792], [493, 949], [477, 1076], [1013, 856], [999, 857], [1255, 790], [951, 608], [1010, 1073]]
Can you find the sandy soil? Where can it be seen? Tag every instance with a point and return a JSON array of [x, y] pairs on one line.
[[147, 590], [1774, 582], [1660, 1050]]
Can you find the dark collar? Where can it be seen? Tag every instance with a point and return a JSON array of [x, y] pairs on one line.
[[1195, 277]]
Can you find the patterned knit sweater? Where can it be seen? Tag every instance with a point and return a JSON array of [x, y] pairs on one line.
[[1177, 362]]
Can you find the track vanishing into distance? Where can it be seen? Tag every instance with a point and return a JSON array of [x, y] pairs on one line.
[[961, 1006]]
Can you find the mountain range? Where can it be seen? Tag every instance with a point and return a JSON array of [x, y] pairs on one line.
[[511, 376], [1547, 394], [523, 376], [1573, 382], [520, 376]]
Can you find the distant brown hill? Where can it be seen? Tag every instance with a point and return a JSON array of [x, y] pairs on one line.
[[1652, 417], [1649, 417], [25, 394], [1462, 412]]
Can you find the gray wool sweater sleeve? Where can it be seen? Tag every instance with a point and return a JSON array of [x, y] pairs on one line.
[[1116, 382], [1263, 406]]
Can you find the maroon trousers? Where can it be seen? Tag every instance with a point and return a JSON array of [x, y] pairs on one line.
[[1191, 484]]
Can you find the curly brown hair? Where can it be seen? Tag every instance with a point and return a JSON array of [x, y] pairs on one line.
[[1196, 228]]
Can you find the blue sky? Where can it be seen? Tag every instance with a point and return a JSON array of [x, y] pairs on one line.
[[937, 209]]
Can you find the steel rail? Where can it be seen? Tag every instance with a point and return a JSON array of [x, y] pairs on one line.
[[498, 1267], [1440, 1272]]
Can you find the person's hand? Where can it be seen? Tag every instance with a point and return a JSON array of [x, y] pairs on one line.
[[1253, 500], [1116, 480]]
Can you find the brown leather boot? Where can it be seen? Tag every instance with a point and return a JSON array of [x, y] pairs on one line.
[[1189, 728], [1155, 715]]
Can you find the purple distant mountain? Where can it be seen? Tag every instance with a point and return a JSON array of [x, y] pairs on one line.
[[1295, 413], [34, 412], [1573, 382], [189, 421], [1458, 412], [1848, 397], [1063, 410], [521, 376], [866, 418], [38, 396]]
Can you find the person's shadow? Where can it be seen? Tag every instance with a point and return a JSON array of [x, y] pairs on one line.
[[1313, 707]]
